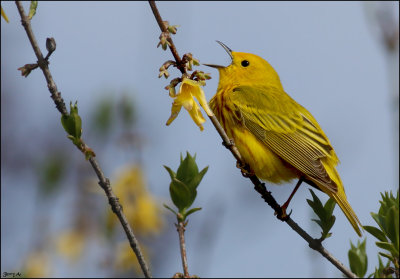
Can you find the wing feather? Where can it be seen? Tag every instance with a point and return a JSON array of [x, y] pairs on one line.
[[287, 128]]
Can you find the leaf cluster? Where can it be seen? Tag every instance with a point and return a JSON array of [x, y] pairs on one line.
[[72, 124], [387, 231], [183, 186], [358, 258], [387, 234], [325, 214]]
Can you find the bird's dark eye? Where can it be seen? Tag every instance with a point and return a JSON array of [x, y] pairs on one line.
[[245, 63]]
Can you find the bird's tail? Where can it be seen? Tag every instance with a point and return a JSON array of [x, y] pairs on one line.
[[341, 199]]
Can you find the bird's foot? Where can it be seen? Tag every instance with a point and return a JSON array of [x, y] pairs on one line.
[[229, 144], [282, 215], [244, 169]]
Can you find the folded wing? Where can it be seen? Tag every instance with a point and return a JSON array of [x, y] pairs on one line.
[[287, 129]]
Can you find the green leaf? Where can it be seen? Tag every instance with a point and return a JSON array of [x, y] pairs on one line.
[[378, 273], [310, 203], [355, 264], [180, 194], [316, 204], [330, 206], [358, 258], [327, 227], [193, 194], [387, 246], [72, 122], [195, 181], [32, 9], [172, 174], [317, 221], [183, 188], [325, 235], [392, 226], [387, 201], [390, 257], [66, 123], [376, 232], [188, 173], [324, 212], [169, 208], [192, 210], [380, 221], [387, 219], [187, 169]]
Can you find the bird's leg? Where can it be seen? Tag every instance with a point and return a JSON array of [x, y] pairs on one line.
[[286, 204]]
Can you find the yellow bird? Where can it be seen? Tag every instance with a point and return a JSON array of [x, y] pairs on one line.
[[277, 137]]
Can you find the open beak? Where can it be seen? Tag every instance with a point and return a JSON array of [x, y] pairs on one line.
[[227, 49]]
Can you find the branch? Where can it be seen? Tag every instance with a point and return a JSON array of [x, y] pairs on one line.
[[258, 186], [181, 231], [103, 181], [163, 28], [316, 244]]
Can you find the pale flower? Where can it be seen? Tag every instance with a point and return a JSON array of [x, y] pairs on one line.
[[70, 244], [125, 259], [147, 215], [189, 89], [140, 207], [37, 265]]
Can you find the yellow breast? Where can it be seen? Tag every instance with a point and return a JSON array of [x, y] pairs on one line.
[[262, 161]]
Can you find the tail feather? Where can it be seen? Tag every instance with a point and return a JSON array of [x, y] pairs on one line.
[[341, 200]]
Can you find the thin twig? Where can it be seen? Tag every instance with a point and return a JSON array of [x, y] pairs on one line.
[[317, 246], [117, 209], [103, 181], [43, 64], [258, 186], [163, 28], [181, 231]]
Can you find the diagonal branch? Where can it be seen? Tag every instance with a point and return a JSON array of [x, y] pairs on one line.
[[258, 186], [103, 181]]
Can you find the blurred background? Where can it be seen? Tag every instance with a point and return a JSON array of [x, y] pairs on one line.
[[337, 59]]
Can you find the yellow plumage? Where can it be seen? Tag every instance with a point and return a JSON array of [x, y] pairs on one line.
[[277, 137]]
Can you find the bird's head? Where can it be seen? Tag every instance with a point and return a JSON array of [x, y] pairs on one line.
[[246, 68]]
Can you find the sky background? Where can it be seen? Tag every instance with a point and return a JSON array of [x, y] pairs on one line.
[[329, 59]]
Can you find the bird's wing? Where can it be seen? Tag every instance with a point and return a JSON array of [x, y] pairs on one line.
[[286, 128]]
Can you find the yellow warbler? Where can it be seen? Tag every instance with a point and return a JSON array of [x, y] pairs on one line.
[[277, 137]]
